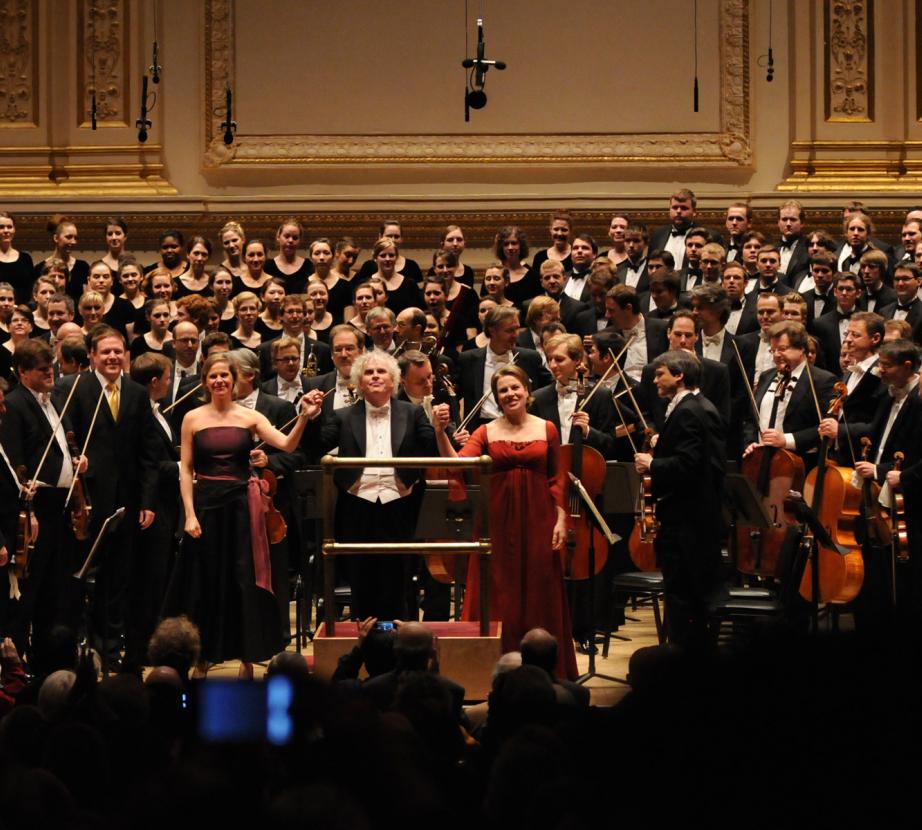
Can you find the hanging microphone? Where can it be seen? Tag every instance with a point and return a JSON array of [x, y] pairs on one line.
[[476, 98], [93, 112], [229, 125], [696, 93], [770, 71], [143, 124], [155, 68]]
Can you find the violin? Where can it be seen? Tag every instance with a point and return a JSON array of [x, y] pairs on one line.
[[587, 465], [837, 504], [310, 365], [643, 535], [81, 511], [26, 528], [276, 527], [899, 534], [773, 473], [876, 521]]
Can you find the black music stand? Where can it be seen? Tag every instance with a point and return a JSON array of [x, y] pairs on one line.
[[441, 517], [308, 486], [622, 488], [596, 521], [108, 526]]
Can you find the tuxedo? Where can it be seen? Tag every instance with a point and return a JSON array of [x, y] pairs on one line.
[[584, 296], [858, 411], [569, 308], [643, 280], [472, 365], [714, 385], [913, 317], [656, 337], [660, 236], [748, 322], [687, 472], [602, 417], [777, 287], [799, 264], [883, 297], [800, 419], [123, 455], [271, 386], [826, 331], [321, 352], [46, 601], [587, 322], [810, 298], [378, 582]]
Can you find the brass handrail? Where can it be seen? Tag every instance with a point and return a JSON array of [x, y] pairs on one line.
[[481, 547]]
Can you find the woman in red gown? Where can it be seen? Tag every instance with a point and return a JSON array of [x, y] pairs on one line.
[[527, 519]]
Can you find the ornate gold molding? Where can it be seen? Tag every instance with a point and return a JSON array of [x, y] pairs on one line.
[[730, 146], [103, 46], [852, 166], [849, 60], [117, 171], [18, 63]]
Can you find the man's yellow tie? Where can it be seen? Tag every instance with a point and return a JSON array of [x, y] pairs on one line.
[[112, 389]]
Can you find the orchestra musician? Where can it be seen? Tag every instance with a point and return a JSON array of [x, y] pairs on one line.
[[795, 421], [896, 427], [9, 518], [688, 449], [292, 317], [31, 418], [622, 306], [477, 366], [288, 383], [123, 455]]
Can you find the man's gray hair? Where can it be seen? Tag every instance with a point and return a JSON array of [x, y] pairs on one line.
[[246, 361], [358, 368]]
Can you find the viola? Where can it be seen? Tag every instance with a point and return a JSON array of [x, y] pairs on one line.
[[876, 521], [837, 504], [81, 511], [900, 536], [773, 473]]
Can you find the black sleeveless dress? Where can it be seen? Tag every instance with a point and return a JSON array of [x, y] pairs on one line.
[[214, 581]]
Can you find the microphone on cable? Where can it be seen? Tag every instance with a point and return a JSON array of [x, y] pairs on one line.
[[229, 125], [143, 123], [155, 68], [474, 96], [770, 70], [696, 93], [93, 111]]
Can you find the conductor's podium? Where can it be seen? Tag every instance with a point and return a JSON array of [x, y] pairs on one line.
[[464, 655]]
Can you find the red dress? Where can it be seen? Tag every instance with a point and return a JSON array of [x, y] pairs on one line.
[[526, 575]]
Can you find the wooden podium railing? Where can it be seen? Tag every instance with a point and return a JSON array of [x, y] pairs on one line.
[[332, 548]]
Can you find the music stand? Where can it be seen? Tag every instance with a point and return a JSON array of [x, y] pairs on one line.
[[622, 488], [110, 523], [441, 517], [742, 505], [308, 486]]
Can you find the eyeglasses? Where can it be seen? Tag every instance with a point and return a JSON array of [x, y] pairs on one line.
[[292, 359]]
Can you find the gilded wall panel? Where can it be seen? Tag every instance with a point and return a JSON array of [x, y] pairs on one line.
[[102, 56], [18, 63]]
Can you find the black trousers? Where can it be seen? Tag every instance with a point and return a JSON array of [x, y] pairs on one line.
[[379, 581]]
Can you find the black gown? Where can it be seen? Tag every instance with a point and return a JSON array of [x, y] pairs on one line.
[[214, 581]]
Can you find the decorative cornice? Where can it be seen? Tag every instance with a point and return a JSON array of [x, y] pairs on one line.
[[18, 63], [729, 147], [103, 55], [849, 60]]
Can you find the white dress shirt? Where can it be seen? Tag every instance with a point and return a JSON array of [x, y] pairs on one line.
[[493, 361], [636, 357], [712, 345], [158, 415], [378, 484], [566, 406], [675, 244], [66, 476]]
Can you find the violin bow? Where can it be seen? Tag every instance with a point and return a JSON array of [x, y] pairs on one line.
[[608, 371], [178, 401], [816, 400], [35, 478], [86, 443], [630, 394], [476, 407], [752, 398], [627, 431]]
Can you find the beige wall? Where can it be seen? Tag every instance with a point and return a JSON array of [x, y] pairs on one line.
[[346, 114]]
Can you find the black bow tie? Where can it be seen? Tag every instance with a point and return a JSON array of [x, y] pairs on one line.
[[736, 305], [845, 315], [901, 307], [694, 272], [676, 232], [788, 243]]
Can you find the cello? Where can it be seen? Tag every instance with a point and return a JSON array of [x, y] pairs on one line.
[[773, 473], [876, 523], [836, 502], [587, 465], [899, 534], [26, 527]]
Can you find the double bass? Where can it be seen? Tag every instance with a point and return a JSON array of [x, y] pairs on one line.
[[836, 502]]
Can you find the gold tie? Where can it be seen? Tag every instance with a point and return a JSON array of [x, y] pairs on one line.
[[112, 389]]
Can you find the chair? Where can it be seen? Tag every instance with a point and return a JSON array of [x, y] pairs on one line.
[[645, 586]]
